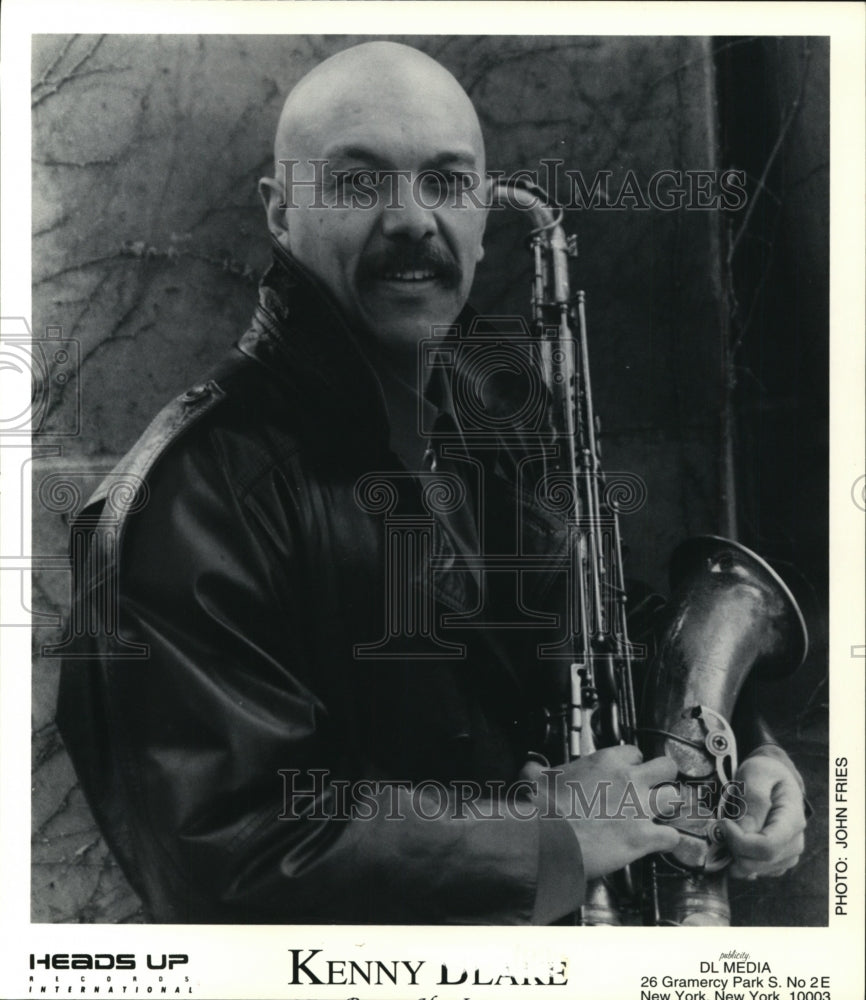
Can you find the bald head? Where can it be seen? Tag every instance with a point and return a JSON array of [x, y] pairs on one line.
[[373, 150], [378, 80]]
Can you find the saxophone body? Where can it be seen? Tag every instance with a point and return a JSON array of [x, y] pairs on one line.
[[729, 614]]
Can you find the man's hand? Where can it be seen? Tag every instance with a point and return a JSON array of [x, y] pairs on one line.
[[768, 838], [606, 799]]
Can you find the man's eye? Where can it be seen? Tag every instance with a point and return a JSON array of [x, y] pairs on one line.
[[441, 182], [451, 184], [359, 179], [354, 180], [457, 179]]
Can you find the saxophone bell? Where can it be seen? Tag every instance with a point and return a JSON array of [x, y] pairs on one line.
[[730, 615]]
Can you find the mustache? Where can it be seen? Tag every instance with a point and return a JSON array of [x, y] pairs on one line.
[[395, 258]]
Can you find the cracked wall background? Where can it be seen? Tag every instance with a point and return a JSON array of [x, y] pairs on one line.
[[148, 238]]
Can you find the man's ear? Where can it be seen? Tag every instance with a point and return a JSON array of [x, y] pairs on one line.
[[274, 200]]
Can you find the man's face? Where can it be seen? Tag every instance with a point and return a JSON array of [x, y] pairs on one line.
[[385, 226]]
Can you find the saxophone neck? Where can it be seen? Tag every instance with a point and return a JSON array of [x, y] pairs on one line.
[[547, 239]]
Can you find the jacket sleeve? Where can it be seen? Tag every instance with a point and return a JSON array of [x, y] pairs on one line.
[[240, 792]]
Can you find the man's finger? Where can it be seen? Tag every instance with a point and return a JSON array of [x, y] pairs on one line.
[[657, 771], [666, 800], [625, 755], [786, 816], [759, 869], [531, 771], [663, 840], [750, 823], [752, 846]]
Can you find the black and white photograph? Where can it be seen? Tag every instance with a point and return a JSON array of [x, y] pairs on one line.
[[429, 556]]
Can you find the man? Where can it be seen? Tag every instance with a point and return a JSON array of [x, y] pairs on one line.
[[274, 758]]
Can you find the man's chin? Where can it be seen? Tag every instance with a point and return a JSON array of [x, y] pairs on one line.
[[409, 316], [408, 331]]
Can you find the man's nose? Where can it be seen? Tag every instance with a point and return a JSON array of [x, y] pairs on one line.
[[404, 213]]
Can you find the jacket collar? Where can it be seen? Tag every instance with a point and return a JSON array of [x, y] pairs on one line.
[[301, 336], [299, 333]]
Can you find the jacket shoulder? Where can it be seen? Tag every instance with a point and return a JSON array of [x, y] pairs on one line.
[[124, 489]]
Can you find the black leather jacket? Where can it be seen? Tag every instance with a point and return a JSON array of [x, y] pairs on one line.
[[250, 593], [277, 613]]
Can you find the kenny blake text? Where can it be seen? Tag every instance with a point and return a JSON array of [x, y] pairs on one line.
[[310, 966]]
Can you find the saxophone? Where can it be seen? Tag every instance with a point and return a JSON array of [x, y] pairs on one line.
[[729, 614]]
